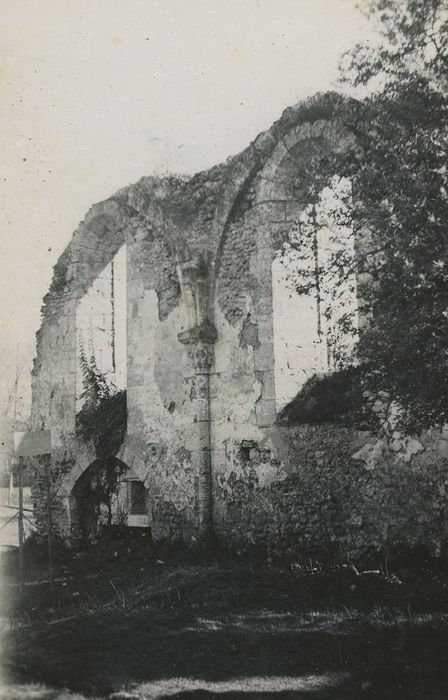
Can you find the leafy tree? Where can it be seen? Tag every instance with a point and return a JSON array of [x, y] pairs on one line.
[[414, 45], [401, 178], [399, 210]]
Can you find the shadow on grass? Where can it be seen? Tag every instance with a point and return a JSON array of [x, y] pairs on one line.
[[104, 653], [154, 629]]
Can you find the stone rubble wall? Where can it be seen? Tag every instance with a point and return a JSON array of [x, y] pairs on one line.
[[199, 261], [305, 491]]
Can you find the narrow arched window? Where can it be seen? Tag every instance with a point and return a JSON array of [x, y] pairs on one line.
[[315, 310], [136, 498]]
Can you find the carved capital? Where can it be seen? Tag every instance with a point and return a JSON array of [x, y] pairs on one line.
[[202, 356], [201, 387], [199, 342], [205, 333]]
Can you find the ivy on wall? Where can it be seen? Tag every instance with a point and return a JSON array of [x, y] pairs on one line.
[[101, 422], [102, 419]]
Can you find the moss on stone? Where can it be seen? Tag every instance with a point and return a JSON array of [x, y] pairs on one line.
[[335, 398]]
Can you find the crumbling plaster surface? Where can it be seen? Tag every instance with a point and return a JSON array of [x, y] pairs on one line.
[[278, 489], [325, 501]]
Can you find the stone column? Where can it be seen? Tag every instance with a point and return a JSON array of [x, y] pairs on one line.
[[202, 355], [199, 338], [200, 346]]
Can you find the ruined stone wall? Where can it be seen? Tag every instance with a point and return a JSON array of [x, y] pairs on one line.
[[201, 393], [310, 489], [54, 386], [164, 223], [306, 492], [161, 432]]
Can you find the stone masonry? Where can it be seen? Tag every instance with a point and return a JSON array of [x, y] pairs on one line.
[[202, 434]]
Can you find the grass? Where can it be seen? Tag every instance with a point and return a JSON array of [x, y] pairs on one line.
[[178, 626]]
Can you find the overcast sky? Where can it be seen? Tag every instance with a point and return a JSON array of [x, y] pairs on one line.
[[97, 93]]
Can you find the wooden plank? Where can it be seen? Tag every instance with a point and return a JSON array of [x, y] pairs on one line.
[[32, 443]]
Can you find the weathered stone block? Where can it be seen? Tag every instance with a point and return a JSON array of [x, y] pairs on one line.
[[265, 412], [266, 212]]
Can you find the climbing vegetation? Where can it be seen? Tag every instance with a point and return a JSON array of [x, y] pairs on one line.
[[332, 398], [102, 419], [398, 213]]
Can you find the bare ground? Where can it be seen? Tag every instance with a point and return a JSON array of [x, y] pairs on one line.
[[198, 627]]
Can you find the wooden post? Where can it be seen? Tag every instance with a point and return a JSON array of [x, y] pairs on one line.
[[20, 520], [31, 444], [11, 489], [112, 303], [20, 480], [49, 517]]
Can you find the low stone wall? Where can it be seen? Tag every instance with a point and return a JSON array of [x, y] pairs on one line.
[[324, 498], [326, 492]]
